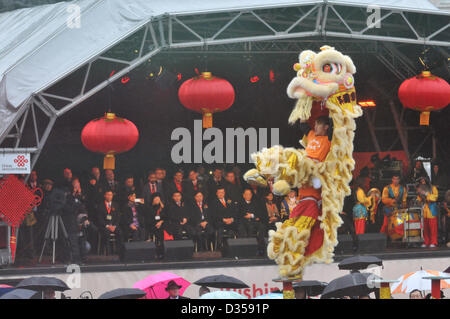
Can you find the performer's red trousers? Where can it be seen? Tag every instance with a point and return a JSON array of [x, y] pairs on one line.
[[360, 226], [384, 228], [430, 229]]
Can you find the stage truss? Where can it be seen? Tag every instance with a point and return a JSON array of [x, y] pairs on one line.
[[276, 30]]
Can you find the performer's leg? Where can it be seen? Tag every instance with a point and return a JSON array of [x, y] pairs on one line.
[[426, 232], [433, 231], [384, 228]]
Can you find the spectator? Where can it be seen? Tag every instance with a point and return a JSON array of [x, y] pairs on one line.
[[439, 178], [127, 187], [193, 185], [95, 173], [133, 216], [152, 187], [288, 204], [415, 294], [179, 217], [204, 230], [175, 185], [33, 180], [225, 215], [66, 183], [300, 293], [202, 176], [111, 184], [109, 221], [232, 188], [252, 220], [273, 214], [417, 172], [215, 182], [203, 290], [174, 290], [157, 223]]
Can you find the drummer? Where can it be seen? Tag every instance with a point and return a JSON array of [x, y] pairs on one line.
[[393, 198], [428, 195]]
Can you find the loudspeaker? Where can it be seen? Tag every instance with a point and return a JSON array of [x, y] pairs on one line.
[[178, 249], [345, 244], [241, 247], [372, 242], [139, 251]]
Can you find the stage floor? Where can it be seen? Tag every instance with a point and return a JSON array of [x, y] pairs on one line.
[[112, 263]]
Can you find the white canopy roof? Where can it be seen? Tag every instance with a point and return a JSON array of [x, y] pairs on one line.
[[38, 45]]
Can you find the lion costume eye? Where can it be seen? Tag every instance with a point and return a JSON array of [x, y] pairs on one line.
[[332, 68]]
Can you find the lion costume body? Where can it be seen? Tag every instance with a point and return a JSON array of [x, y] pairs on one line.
[[324, 80]]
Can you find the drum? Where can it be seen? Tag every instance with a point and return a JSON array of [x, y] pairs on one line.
[[396, 225], [412, 217]]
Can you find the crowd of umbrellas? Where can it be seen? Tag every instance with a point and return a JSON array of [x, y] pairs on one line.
[[356, 284]]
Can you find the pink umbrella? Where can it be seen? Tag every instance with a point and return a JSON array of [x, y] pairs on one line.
[[5, 286], [155, 285]]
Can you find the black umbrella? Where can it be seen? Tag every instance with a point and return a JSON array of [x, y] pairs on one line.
[[312, 287], [42, 283], [123, 293], [21, 294], [354, 284], [359, 262], [221, 281], [447, 270]]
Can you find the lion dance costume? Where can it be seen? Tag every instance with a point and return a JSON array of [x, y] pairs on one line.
[[324, 82]]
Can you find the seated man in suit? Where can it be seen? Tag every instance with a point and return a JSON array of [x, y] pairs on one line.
[[201, 221], [133, 219], [225, 215], [252, 219], [179, 218], [109, 221], [175, 185], [151, 188]]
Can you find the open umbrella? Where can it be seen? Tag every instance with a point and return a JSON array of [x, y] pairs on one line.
[[123, 293], [447, 270], [222, 295], [414, 280], [354, 284], [312, 287], [270, 296], [221, 281], [21, 294], [155, 285], [359, 262], [43, 283]]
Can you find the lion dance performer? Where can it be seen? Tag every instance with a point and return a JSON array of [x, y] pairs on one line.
[[324, 85]]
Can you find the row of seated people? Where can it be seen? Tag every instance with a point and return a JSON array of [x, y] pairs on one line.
[[190, 218]]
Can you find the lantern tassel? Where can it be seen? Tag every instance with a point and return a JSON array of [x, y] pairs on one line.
[[425, 118], [12, 244], [207, 120], [109, 162]]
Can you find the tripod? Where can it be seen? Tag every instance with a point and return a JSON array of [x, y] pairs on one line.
[[52, 234]]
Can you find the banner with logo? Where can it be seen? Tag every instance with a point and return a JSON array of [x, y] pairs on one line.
[[15, 163]]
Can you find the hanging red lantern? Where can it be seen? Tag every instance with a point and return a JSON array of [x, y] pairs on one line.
[[206, 94], [424, 93], [109, 135]]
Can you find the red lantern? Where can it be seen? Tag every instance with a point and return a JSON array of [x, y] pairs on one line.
[[206, 94], [424, 93], [109, 135]]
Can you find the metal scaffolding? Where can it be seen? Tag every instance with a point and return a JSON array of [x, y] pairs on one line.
[[276, 29]]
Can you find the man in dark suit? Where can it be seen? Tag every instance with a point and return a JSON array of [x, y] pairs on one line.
[[175, 185], [125, 189], [179, 218], [133, 219], [193, 185], [201, 221], [111, 184], [232, 188], [252, 219], [174, 290], [224, 214], [213, 183], [151, 188], [109, 221]]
